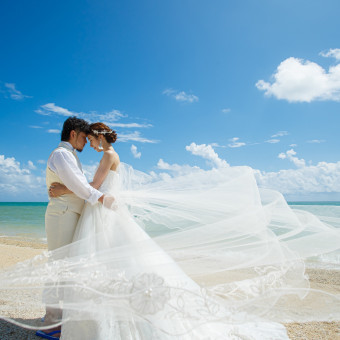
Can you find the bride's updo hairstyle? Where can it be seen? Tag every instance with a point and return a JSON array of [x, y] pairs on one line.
[[97, 129]]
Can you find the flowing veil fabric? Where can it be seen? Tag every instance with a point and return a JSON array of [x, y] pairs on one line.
[[200, 256]]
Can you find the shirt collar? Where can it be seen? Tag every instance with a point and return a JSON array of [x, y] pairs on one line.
[[67, 146]]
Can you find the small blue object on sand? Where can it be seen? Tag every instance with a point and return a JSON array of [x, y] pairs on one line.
[[49, 335]]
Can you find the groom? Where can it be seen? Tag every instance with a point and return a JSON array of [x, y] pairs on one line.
[[63, 166], [63, 212]]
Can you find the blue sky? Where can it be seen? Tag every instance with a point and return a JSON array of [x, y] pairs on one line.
[[184, 83]]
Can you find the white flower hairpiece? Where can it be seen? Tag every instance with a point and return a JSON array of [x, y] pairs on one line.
[[96, 132]]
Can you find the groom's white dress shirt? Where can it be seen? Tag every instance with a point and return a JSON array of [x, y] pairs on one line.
[[67, 166]]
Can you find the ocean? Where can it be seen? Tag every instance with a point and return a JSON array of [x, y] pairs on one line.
[[26, 220]]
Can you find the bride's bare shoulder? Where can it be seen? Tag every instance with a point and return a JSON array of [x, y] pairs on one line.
[[109, 153], [113, 156]]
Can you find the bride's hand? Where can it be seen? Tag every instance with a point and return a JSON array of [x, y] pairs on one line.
[[58, 189], [110, 202]]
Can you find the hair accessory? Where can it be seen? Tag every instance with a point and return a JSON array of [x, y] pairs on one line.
[[96, 132]]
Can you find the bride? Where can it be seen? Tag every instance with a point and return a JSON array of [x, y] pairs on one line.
[[206, 255]]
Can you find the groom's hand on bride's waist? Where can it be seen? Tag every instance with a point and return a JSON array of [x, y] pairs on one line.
[[57, 189]]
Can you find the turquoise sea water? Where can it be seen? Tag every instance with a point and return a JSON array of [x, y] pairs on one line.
[[27, 219], [23, 219]]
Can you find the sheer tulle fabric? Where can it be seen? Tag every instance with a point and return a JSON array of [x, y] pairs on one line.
[[199, 256]]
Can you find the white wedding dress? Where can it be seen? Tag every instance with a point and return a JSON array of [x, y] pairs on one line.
[[162, 301], [200, 256]]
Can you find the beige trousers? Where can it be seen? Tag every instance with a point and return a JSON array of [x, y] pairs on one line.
[[61, 219]]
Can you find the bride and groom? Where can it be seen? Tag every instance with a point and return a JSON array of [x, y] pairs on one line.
[[68, 188], [204, 255], [147, 295]]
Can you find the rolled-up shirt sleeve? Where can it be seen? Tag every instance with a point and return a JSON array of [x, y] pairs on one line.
[[64, 164]]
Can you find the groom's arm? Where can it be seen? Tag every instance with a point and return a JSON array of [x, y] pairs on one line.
[[65, 166], [57, 189]]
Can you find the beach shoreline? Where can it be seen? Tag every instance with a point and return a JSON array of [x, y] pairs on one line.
[[14, 250]]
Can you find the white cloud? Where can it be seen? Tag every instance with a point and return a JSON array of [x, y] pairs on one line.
[[18, 183], [31, 165], [304, 181], [216, 145], [274, 138], [226, 110], [321, 178], [164, 165], [272, 141], [10, 165], [134, 137], [280, 134], [181, 96], [297, 80], [41, 161], [316, 141], [176, 168], [127, 125], [202, 150], [208, 153], [12, 92], [290, 154], [109, 118], [184, 97], [333, 52], [235, 143], [51, 108], [135, 152]]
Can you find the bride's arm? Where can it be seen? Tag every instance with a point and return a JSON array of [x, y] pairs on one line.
[[104, 167], [58, 189]]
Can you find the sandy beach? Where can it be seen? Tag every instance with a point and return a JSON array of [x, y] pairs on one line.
[[16, 250]]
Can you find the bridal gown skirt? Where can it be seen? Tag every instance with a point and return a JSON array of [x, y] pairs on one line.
[[140, 292], [205, 256]]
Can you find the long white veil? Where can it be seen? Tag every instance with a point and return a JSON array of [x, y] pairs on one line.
[[216, 248]]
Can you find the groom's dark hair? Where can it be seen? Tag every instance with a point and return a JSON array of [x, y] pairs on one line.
[[76, 124]]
